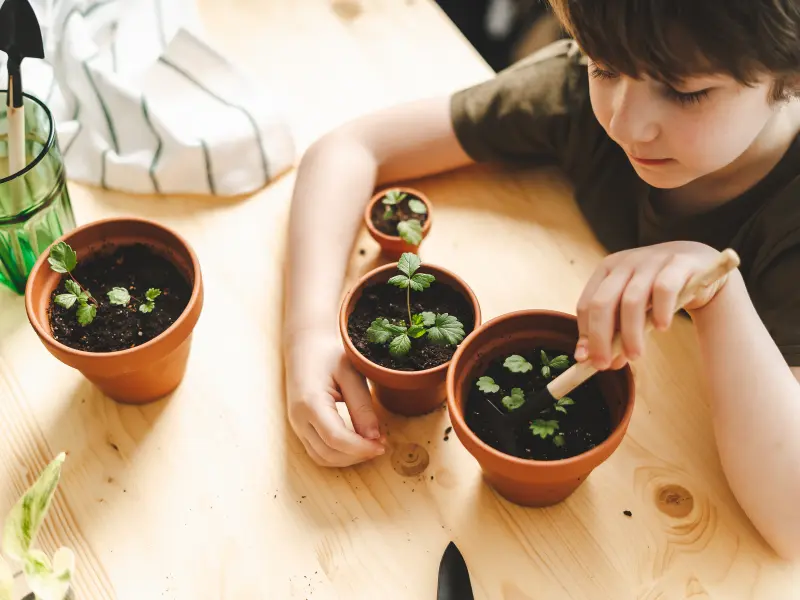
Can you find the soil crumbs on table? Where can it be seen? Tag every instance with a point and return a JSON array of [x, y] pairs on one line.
[[136, 268], [585, 424], [387, 301], [401, 212]]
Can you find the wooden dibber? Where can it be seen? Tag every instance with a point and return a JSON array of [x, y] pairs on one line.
[[561, 386]]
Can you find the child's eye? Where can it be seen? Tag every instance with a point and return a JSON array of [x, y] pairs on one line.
[[599, 73], [686, 98]]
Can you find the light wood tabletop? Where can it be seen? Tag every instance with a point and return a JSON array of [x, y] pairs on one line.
[[209, 495]]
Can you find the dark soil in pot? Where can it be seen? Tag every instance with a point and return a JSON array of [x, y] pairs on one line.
[[387, 301], [386, 222], [581, 425], [136, 268]]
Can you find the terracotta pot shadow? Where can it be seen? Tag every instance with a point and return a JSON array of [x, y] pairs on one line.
[[393, 246], [136, 375], [409, 393], [522, 481]]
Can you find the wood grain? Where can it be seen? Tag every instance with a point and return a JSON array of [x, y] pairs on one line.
[[209, 495]]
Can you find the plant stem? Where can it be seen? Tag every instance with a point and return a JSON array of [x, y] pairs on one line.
[[408, 302], [83, 289]]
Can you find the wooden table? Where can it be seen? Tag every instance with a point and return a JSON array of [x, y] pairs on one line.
[[208, 495]]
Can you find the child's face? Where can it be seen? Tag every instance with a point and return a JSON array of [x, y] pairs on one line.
[[673, 136]]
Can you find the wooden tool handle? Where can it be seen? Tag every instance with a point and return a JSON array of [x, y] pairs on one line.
[[726, 261]]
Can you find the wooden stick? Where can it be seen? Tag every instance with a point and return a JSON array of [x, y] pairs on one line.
[[580, 372]]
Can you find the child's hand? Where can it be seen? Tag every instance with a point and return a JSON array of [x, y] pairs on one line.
[[319, 375], [625, 286]]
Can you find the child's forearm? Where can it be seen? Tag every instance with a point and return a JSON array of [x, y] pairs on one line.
[[755, 405]]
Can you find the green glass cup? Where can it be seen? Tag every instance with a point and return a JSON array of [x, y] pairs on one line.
[[35, 208]]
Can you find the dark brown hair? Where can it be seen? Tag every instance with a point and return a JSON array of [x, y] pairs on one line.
[[673, 39]]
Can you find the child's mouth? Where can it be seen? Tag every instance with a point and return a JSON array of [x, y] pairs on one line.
[[650, 162]]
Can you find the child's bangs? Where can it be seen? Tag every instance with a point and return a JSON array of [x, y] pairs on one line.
[[669, 40]]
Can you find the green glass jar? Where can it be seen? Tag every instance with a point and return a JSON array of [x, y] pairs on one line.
[[35, 208]]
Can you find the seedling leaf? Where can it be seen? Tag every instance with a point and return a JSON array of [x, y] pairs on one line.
[[152, 294], [543, 428], [408, 264], [561, 409], [517, 364], [119, 296], [428, 318], [72, 287], [417, 206], [416, 331], [400, 281], [66, 300], [147, 307], [410, 231], [559, 362], [86, 313], [393, 197], [566, 401], [545, 371], [446, 330], [62, 258], [559, 440], [515, 400], [388, 213], [381, 331], [420, 281], [400, 345], [487, 385]]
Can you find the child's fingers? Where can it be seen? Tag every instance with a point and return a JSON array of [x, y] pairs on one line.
[[668, 285], [585, 300], [603, 309], [634, 306], [359, 401]]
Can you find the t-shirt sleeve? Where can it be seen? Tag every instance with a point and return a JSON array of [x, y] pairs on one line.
[[776, 296], [526, 111]]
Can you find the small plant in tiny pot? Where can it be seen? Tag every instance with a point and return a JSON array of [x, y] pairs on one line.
[[401, 324], [504, 363], [48, 579], [118, 300], [398, 219]]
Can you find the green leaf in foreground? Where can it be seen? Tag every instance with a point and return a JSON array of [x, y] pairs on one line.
[[515, 400], [417, 206], [119, 296], [393, 197], [428, 318], [408, 264], [152, 294], [517, 364], [400, 345], [410, 231], [381, 331], [86, 313], [543, 429], [560, 362], [487, 385], [446, 330], [559, 440], [66, 300], [421, 281], [72, 287], [62, 258]]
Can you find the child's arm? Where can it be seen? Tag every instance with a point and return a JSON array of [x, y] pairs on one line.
[[336, 178], [754, 395]]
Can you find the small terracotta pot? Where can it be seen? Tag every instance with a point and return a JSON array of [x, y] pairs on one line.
[[522, 481], [409, 393], [393, 246], [136, 375]]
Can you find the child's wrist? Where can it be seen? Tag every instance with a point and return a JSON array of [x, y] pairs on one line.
[[734, 285]]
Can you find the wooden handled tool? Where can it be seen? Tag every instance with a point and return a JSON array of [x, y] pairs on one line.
[[561, 386]]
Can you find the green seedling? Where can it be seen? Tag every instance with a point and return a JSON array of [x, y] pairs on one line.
[[63, 259], [559, 363], [409, 230], [442, 329]]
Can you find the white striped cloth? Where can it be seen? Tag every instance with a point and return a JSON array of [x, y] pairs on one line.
[[144, 105]]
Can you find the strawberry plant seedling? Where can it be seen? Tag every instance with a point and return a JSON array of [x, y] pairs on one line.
[[410, 230]]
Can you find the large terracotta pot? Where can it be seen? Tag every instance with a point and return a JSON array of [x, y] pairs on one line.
[[409, 393], [530, 482], [393, 246], [136, 375]]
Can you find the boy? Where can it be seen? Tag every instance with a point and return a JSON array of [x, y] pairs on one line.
[[677, 122]]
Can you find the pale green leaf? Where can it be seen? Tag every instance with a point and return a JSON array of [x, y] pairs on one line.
[[66, 300], [400, 345], [62, 258], [147, 307], [545, 371], [417, 206], [73, 287], [416, 331], [446, 330], [560, 362], [381, 331], [561, 409], [417, 319], [559, 440], [119, 296], [428, 318], [420, 281], [6, 580], [515, 400], [410, 231], [543, 428], [408, 263], [23, 522], [86, 313], [487, 385], [545, 358], [517, 364], [400, 281], [388, 213], [152, 294], [566, 401], [50, 582], [393, 197]]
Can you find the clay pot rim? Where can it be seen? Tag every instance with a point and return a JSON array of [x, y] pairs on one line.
[[459, 422], [348, 299], [45, 332], [380, 194]]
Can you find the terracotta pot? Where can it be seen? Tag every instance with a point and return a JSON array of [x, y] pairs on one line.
[[393, 246], [522, 481], [409, 393], [136, 375]]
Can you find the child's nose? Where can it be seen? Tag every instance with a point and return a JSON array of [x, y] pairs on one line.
[[634, 119]]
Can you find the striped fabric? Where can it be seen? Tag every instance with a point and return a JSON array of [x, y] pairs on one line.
[[144, 105]]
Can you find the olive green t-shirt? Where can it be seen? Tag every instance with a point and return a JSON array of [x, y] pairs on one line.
[[539, 110]]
